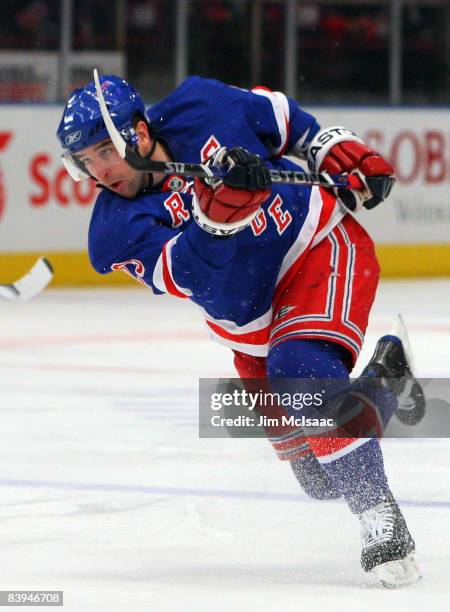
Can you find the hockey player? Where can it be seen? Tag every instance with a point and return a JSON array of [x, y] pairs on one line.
[[283, 274]]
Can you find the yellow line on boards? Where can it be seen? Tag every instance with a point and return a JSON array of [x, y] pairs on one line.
[[72, 269], [414, 260]]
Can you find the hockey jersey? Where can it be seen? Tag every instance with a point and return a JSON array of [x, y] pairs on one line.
[[234, 280]]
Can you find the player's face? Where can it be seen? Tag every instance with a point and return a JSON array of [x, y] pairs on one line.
[[104, 163]]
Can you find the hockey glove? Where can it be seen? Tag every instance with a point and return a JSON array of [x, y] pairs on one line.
[[225, 206], [337, 150]]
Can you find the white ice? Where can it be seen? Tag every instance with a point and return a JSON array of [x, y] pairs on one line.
[[108, 494]]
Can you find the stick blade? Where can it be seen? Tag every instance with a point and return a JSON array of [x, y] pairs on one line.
[[31, 283], [115, 136]]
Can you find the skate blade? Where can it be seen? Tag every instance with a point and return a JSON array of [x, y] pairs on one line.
[[399, 329], [411, 404], [397, 574]]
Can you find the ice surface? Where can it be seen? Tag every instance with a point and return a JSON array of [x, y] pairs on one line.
[[108, 494]]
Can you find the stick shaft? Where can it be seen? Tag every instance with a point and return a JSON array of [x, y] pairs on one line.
[[289, 177]]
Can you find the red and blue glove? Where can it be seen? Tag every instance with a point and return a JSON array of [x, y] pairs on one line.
[[337, 150]]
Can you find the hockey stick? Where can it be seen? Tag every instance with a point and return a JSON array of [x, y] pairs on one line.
[[131, 155], [29, 285]]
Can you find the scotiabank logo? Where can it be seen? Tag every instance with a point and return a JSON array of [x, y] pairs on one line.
[[5, 138], [416, 155], [49, 184]]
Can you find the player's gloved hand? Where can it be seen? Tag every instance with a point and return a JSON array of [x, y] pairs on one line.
[[337, 150], [227, 205]]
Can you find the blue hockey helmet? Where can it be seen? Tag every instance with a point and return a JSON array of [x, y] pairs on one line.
[[82, 124]]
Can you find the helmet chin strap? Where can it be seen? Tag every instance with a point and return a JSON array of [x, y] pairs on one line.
[[150, 177], [152, 132]]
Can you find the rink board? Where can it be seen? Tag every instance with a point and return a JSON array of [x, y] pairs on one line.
[[43, 212], [74, 270]]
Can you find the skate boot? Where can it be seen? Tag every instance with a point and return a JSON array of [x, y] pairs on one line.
[[392, 361], [387, 546]]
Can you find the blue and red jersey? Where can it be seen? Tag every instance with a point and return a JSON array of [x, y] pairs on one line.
[[236, 280]]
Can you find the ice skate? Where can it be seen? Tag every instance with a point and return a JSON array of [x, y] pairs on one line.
[[387, 546], [393, 362]]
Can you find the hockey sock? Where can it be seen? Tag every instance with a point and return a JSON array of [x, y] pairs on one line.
[[352, 462], [312, 477], [359, 476], [284, 362]]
